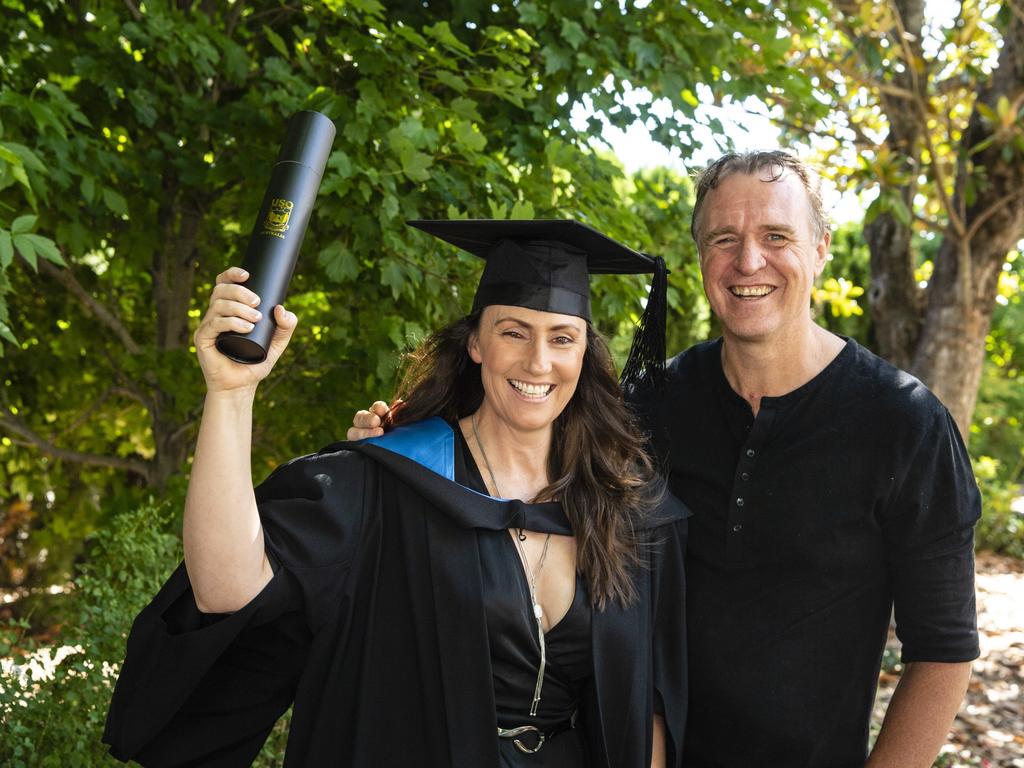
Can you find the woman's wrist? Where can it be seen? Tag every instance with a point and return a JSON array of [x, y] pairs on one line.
[[239, 397]]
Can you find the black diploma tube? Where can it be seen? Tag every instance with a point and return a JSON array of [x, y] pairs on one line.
[[280, 227]]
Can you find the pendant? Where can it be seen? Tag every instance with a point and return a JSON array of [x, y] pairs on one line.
[[522, 535]]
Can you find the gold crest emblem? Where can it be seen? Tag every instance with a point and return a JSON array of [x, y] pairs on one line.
[[280, 211]]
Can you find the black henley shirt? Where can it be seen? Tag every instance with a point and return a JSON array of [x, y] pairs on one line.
[[848, 495]]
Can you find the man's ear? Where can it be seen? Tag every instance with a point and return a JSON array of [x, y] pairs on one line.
[[821, 257]]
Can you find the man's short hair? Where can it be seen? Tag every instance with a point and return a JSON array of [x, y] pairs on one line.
[[776, 162]]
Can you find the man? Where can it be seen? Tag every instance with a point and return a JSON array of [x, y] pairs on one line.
[[827, 487]]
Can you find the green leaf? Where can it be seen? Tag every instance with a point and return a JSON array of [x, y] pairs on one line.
[[648, 56], [468, 137], [573, 33], [371, 7], [443, 34], [874, 210], [523, 209], [276, 41], [88, 188], [392, 276], [531, 15], [340, 163], [46, 248], [452, 80], [555, 59], [466, 108], [22, 155], [115, 201], [6, 250], [415, 165], [900, 211], [987, 112], [6, 333], [498, 210], [389, 209], [23, 224], [24, 246], [410, 34], [339, 262]]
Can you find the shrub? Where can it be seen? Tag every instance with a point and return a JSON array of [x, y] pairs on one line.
[[55, 719]]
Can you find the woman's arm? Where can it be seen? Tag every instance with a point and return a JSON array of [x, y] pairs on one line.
[[223, 539]]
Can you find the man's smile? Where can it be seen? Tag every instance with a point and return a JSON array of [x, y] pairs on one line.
[[751, 291]]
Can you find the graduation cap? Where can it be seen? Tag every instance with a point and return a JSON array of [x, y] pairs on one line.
[[545, 264]]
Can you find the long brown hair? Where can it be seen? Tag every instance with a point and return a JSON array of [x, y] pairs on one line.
[[603, 475]]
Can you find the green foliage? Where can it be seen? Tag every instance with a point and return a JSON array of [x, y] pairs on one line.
[[134, 140], [839, 298], [58, 721], [997, 434]]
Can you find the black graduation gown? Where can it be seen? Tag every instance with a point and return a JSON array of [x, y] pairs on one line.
[[373, 624]]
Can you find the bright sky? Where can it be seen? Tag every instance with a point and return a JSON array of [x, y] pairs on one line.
[[746, 124]]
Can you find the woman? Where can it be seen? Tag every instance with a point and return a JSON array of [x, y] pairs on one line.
[[396, 589]]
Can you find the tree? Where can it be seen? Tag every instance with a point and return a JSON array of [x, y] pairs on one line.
[[138, 137], [932, 117]]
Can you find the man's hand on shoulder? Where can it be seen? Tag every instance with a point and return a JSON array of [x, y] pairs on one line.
[[369, 423]]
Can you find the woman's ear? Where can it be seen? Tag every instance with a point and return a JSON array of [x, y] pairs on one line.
[[473, 347]]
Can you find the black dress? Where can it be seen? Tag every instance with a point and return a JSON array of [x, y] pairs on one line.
[[375, 627], [515, 651]]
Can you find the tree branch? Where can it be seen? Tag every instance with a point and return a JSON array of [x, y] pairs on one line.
[[910, 60], [133, 9], [991, 211], [30, 438], [67, 278], [930, 224], [1015, 9], [235, 15]]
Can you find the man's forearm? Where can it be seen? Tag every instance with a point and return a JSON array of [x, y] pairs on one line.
[[920, 714]]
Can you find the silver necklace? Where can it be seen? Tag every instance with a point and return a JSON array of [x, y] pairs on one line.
[[538, 612]]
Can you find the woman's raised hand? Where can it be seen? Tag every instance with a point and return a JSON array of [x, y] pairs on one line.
[[234, 307]]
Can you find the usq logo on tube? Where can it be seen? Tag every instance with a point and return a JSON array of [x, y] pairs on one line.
[[276, 223]]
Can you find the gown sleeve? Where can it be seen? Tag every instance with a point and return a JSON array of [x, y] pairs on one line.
[[669, 633], [206, 688]]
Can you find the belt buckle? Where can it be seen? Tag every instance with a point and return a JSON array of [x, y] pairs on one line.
[[512, 733]]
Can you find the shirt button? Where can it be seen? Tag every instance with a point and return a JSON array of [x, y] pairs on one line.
[[739, 502], [750, 453], [744, 476], [737, 528]]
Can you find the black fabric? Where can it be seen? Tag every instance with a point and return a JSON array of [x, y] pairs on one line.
[[547, 276], [515, 651], [373, 624], [604, 256], [512, 631], [851, 492]]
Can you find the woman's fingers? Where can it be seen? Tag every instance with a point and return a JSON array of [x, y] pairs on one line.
[[225, 315], [286, 322], [234, 292], [230, 308], [232, 275]]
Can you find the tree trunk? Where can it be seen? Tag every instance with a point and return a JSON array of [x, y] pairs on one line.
[[948, 352], [893, 293], [174, 268], [951, 353]]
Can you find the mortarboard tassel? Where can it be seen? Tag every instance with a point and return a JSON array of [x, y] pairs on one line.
[[646, 362]]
